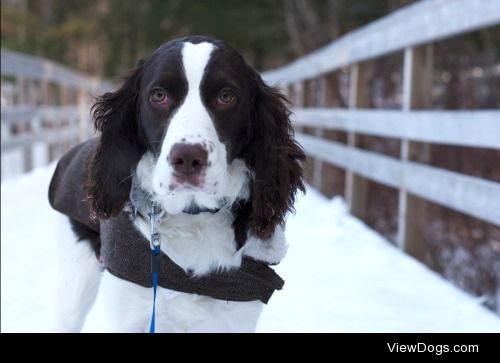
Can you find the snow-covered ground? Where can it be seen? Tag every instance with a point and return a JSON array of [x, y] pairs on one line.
[[340, 276]]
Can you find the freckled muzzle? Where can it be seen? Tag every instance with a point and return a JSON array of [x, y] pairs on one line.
[[189, 162]]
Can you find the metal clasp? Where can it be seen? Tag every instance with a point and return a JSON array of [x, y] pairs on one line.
[[155, 217]]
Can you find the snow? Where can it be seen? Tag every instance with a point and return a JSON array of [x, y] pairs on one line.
[[12, 164], [13, 160], [340, 275]]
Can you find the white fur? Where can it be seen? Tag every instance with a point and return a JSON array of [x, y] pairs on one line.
[[79, 276], [129, 308], [233, 184], [200, 243], [271, 251], [192, 124]]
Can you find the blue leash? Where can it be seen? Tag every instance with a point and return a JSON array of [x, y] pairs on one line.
[[155, 264], [155, 217]]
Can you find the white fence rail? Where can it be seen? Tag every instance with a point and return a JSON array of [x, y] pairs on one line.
[[465, 128], [410, 30], [45, 110], [474, 196], [35, 68], [422, 23]]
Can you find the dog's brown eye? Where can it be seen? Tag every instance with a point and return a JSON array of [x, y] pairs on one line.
[[226, 97], [159, 96]]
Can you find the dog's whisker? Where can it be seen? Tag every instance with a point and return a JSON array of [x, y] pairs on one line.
[[148, 168]]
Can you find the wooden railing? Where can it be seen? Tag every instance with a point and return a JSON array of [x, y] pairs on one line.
[[45, 110], [411, 30]]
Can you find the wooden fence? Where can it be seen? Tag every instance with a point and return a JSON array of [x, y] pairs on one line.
[[410, 30], [45, 110]]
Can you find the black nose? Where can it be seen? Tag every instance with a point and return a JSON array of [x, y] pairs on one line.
[[188, 159]]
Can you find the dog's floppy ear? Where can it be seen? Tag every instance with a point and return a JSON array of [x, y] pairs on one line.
[[116, 116], [275, 159]]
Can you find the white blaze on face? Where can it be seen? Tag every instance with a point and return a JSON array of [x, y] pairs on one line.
[[192, 124]]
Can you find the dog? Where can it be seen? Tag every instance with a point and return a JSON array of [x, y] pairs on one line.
[[195, 157]]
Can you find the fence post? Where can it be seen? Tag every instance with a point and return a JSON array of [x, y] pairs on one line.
[[320, 101], [24, 98], [298, 98], [417, 84], [64, 123], [83, 115], [311, 99], [298, 91], [45, 100], [359, 97], [290, 92]]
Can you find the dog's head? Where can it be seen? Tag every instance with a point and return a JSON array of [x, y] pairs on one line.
[[201, 130]]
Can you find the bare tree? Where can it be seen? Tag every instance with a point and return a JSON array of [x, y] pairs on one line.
[[305, 27]]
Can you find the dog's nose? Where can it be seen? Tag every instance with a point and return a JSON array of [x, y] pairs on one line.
[[188, 159]]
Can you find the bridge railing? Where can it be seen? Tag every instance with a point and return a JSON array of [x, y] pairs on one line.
[[45, 110], [410, 30]]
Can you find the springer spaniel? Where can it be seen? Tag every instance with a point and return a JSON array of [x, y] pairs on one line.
[[196, 131]]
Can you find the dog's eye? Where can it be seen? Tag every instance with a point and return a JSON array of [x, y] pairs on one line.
[[226, 97], [159, 96]]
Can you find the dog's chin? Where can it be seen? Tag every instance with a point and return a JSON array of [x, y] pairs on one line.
[[190, 200]]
